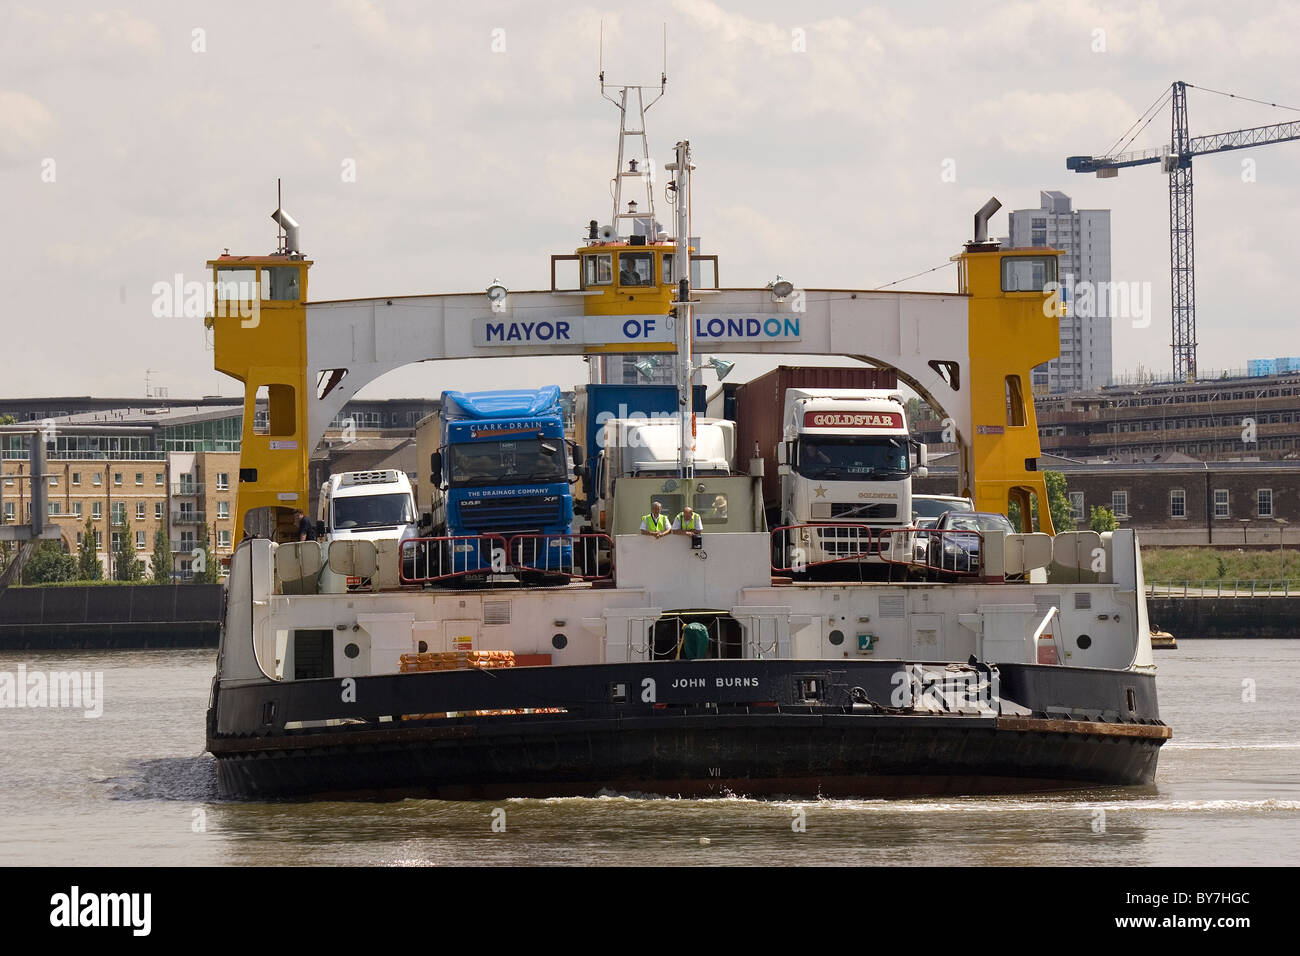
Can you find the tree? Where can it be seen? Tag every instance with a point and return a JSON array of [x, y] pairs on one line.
[[88, 566], [160, 565], [1102, 519], [1058, 501], [127, 564], [49, 563], [208, 573]]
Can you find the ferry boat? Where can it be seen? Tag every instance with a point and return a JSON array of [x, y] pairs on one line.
[[1029, 670]]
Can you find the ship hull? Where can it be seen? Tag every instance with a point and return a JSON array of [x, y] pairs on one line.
[[1049, 728]]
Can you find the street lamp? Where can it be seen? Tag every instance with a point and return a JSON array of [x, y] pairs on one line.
[[647, 366]]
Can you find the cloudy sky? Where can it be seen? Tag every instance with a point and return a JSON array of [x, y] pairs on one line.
[[139, 141]]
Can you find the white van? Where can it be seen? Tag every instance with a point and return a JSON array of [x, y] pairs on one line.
[[368, 505]]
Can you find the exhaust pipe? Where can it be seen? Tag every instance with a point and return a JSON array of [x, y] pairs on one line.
[[982, 242], [982, 218], [290, 227]]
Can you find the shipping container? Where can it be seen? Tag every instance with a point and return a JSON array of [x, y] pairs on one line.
[[757, 406]]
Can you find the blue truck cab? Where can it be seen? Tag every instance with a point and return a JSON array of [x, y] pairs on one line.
[[502, 467]]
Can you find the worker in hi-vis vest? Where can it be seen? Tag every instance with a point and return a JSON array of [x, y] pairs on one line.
[[655, 524], [688, 522]]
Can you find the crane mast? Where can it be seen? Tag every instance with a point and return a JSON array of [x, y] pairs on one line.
[[1176, 161]]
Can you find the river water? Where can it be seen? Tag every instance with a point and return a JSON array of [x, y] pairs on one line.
[[133, 787]]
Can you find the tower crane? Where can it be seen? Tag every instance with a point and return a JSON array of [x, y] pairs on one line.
[[1176, 160]]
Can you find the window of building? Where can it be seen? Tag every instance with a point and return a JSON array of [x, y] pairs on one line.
[[1119, 503], [223, 508], [119, 512], [76, 508], [76, 478], [98, 478], [1177, 503], [117, 540], [139, 511], [117, 478], [1220, 502], [52, 509], [139, 478], [223, 539], [223, 481], [9, 511], [139, 540], [1076, 505], [54, 481], [158, 478], [1265, 498], [99, 541], [9, 481], [97, 509], [158, 510]]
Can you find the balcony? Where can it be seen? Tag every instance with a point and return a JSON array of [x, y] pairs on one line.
[[187, 489], [185, 546], [189, 517]]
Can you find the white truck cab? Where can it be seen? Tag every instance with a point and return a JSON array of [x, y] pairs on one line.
[[368, 505], [846, 456]]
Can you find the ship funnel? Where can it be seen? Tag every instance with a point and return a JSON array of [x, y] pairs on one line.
[[981, 242], [290, 227]]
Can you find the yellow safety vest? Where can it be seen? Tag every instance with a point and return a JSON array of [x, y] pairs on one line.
[[697, 523], [655, 524]]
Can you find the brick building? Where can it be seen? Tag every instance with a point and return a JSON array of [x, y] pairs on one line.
[[1177, 503]]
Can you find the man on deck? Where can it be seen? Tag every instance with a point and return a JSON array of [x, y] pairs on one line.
[[306, 530], [655, 524], [688, 522]]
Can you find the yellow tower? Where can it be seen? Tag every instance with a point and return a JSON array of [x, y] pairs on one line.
[[630, 280], [259, 324], [1014, 326]]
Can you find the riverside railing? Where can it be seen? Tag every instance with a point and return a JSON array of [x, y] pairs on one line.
[[1223, 587]]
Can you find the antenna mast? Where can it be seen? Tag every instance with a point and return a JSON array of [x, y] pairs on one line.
[[643, 168]]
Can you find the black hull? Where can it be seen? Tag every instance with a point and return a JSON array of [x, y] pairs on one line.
[[834, 747]]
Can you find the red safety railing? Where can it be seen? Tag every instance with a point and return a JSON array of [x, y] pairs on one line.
[[798, 547], [429, 560], [952, 551], [546, 554], [425, 560]]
